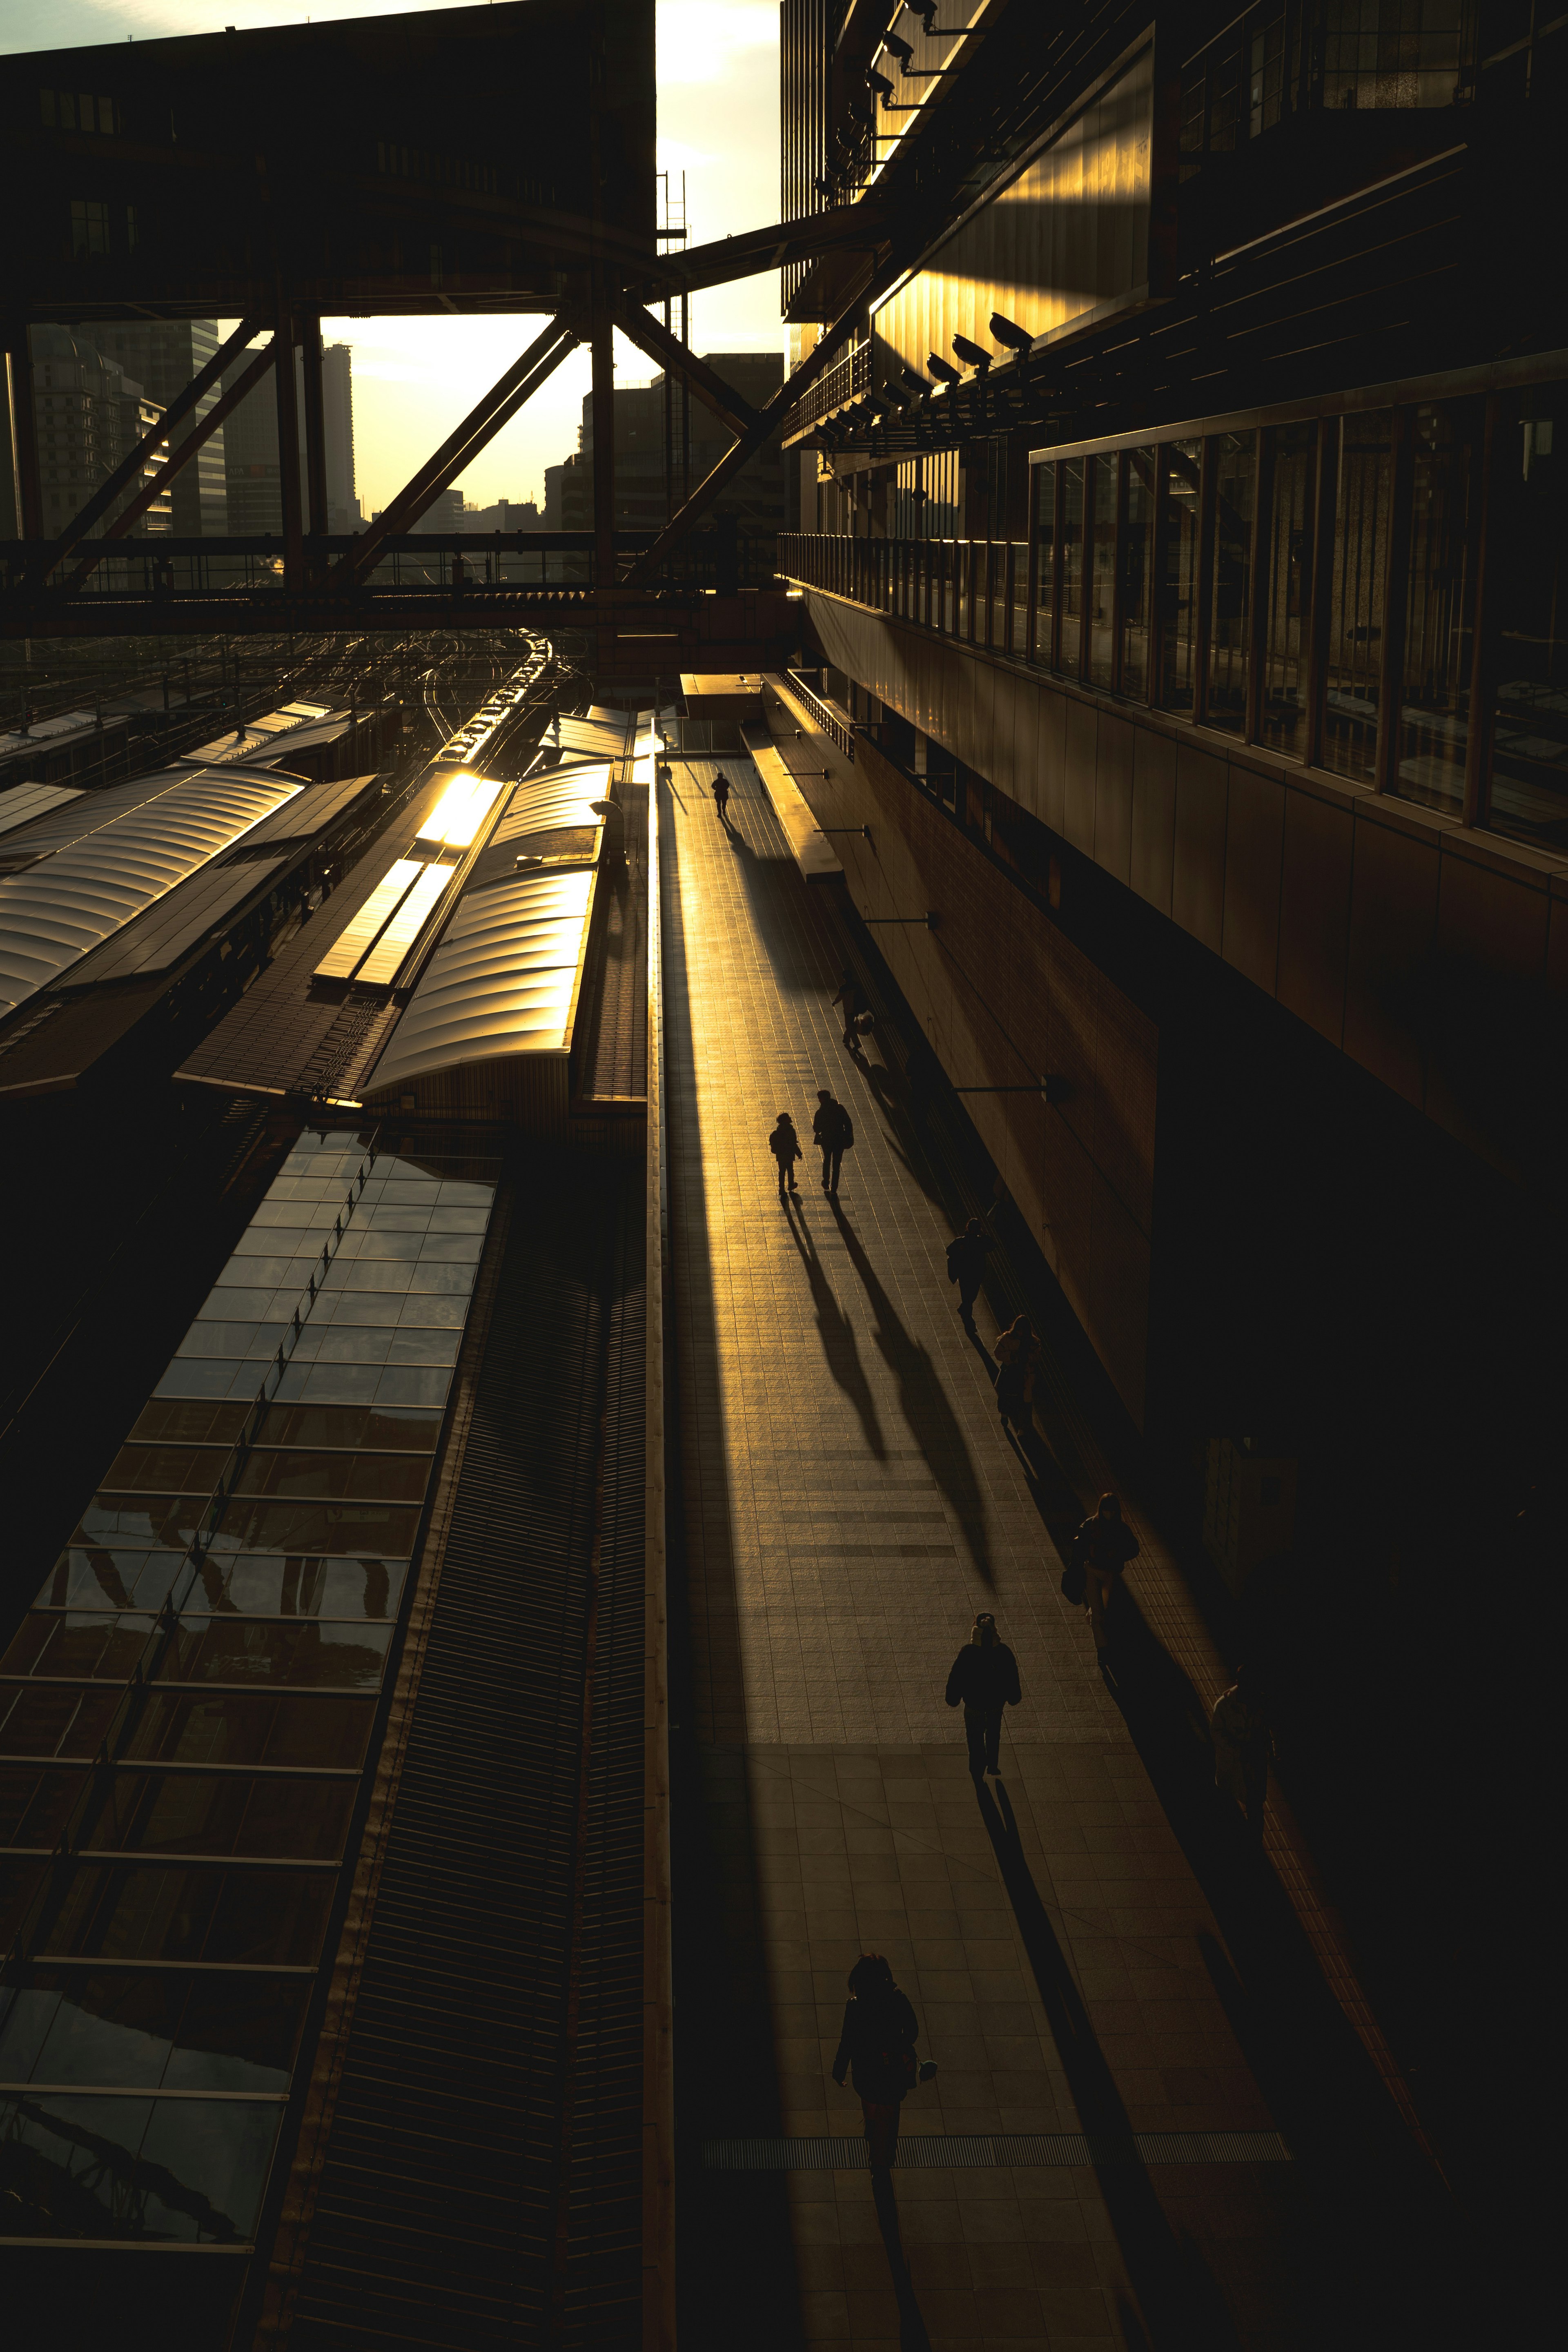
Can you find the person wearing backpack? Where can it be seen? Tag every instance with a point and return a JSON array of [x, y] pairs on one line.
[[784, 1144], [966, 1258], [833, 1132], [1104, 1544], [985, 1679], [877, 2050]]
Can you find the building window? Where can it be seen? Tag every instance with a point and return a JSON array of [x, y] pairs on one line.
[[1357, 590], [1529, 581], [1178, 573], [1044, 564], [1434, 707], [1069, 654], [1289, 589], [1104, 471], [90, 227], [1137, 567], [1233, 465]]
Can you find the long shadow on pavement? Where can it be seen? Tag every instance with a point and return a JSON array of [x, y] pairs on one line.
[[912, 2336], [837, 1335], [924, 1403], [1181, 2303], [1390, 2260], [728, 2081]]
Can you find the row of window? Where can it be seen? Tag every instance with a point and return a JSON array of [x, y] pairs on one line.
[[1312, 587], [1293, 56]]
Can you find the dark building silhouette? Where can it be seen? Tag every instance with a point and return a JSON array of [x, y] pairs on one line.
[[162, 355]]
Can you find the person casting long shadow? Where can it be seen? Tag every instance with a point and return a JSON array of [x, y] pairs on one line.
[[1180, 2300], [924, 1403], [836, 1333]]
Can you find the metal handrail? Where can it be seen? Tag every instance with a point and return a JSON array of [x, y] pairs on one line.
[[839, 730]]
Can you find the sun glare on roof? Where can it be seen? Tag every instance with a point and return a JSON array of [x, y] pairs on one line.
[[460, 813]]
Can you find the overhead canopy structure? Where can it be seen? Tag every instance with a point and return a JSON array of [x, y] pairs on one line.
[[92, 870], [386, 165]]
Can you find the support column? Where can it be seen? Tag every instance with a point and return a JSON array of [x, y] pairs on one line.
[[318, 521], [288, 452], [27, 488], [603, 433]]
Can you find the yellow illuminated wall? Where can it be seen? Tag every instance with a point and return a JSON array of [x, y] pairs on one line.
[[1070, 234]]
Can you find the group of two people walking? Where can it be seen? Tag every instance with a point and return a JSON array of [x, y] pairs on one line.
[[832, 1131]]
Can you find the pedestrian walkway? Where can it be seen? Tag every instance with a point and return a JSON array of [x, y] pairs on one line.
[[850, 1499]]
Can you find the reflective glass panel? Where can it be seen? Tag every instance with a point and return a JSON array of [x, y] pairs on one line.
[[1179, 574], [1289, 589], [1070, 641], [226, 1813], [132, 1911], [1233, 458], [251, 1727], [1358, 589], [1440, 642], [308, 1653], [1103, 472], [1045, 563], [1137, 568], [1530, 727]]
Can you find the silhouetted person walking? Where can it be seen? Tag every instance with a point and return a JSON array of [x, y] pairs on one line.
[[833, 1132], [1104, 1544], [877, 2048], [722, 797], [852, 997], [985, 1679], [966, 1259], [1242, 1749], [1017, 1353], [784, 1144]]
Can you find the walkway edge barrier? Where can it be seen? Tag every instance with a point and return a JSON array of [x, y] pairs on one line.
[[658, 1995], [809, 845]]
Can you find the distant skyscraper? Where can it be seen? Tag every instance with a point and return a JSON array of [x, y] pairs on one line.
[[90, 414], [162, 355], [250, 451]]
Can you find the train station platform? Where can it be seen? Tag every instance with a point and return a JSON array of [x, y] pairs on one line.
[[1163, 2112]]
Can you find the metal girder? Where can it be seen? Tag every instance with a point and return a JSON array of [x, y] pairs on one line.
[[203, 431], [23, 451], [767, 420], [175, 414], [318, 519], [865, 226], [481, 425], [735, 414]]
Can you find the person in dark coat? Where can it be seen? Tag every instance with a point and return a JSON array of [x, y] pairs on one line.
[[852, 997], [966, 1259], [722, 797], [1105, 1544], [985, 1679], [1017, 1357], [784, 1144], [833, 1134], [876, 2049]]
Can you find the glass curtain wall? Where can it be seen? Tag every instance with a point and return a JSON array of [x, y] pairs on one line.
[[190, 1705], [1046, 492], [1104, 472], [1069, 593], [1137, 568]]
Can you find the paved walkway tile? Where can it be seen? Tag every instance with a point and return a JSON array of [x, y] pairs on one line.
[[851, 1500]]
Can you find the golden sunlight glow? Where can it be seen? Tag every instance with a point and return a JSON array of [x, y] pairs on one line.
[[460, 813]]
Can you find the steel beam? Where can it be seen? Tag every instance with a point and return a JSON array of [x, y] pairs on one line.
[[203, 431], [767, 420], [175, 414], [603, 355], [481, 425], [734, 413]]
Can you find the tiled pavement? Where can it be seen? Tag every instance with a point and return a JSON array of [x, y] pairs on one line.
[[849, 1502]]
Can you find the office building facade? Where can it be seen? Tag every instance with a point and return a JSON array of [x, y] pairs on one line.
[[90, 413], [162, 355]]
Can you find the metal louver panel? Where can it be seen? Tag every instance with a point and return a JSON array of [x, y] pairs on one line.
[[501, 982], [380, 968], [347, 949], [57, 911]]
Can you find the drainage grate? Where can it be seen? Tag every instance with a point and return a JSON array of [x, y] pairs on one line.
[[970, 2151]]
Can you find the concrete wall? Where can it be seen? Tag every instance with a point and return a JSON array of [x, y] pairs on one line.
[[1436, 957], [1006, 998]]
